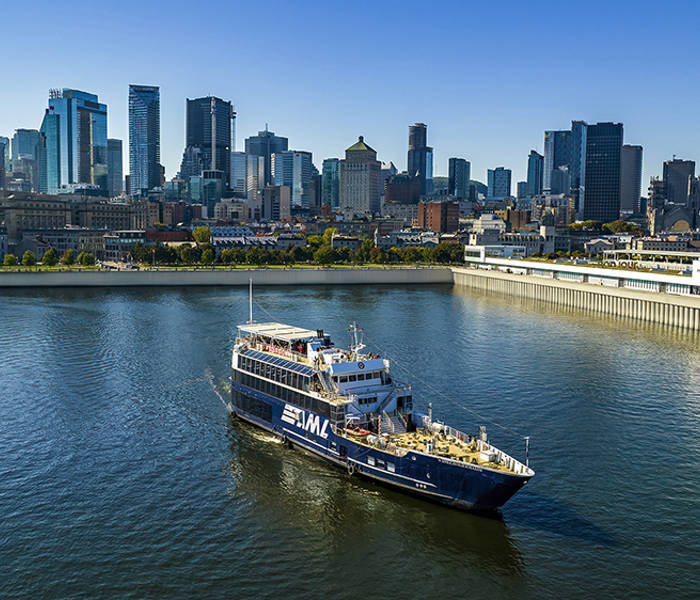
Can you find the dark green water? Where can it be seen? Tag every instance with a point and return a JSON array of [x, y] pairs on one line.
[[121, 475]]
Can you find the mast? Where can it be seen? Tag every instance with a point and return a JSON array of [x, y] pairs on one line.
[[250, 300]]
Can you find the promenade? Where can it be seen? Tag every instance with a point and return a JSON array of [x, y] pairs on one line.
[[227, 277]]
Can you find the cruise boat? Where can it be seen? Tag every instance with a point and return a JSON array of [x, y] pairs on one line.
[[343, 406]]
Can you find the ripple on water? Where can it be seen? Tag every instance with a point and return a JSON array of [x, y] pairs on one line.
[[123, 476]]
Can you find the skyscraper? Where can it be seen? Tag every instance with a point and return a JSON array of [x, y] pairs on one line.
[[630, 178], [360, 180], [79, 145], [5, 153], [24, 156], [115, 172], [602, 177], [677, 175], [458, 177], [294, 168], [420, 157], [265, 144], [208, 135], [49, 154], [535, 170], [255, 175], [557, 153], [238, 172], [330, 182], [498, 182], [24, 143], [577, 163], [144, 138]]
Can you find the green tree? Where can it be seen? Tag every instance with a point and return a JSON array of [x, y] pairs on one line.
[[50, 258], [202, 235], [377, 255], [411, 255], [344, 254], [208, 256], [328, 235], [88, 259], [28, 259], [10, 260], [621, 226], [393, 255], [68, 257], [186, 254], [363, 251], [314, 241], [325, 255]]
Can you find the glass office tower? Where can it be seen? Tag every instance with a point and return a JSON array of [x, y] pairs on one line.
[[144, 138]]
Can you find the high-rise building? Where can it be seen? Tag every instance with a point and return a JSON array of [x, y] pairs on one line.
[[441, 216], [208, 137], [239, 163], [24, 143], [115, 172], [557, 153], [602, 177], [577, 163], [522, 190], [144, 138], [49, 154], [630, 178], [294, 168], [360, 179], [560, 181], [535, 171], [402, 189], [459, 172], [420, 157], [78, 142], [255, 175], [5, 153], [499, 182], [276, 203], [677, 175], [330, 182], [265, 144]]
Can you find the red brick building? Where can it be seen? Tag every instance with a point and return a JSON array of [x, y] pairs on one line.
[[441, 217]]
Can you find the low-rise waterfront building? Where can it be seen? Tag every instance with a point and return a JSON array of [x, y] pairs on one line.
[[119, 244], [686, 285]]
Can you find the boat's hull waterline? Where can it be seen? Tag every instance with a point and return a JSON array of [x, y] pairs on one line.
[[459, 485]]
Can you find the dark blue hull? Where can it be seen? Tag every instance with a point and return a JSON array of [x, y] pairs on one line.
[[457, 484]]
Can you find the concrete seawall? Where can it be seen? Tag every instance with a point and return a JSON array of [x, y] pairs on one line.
[[226, 277], [666, 309]]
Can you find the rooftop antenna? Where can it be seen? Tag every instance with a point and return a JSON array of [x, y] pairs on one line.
[[355, 338], [250, 300]]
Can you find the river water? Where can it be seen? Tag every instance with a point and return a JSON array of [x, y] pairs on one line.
[[122, 475]]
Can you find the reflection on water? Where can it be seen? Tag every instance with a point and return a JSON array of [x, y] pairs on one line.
[[123, 476], [295, 490]]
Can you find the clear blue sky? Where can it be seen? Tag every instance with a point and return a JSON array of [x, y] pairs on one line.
[[487, 77]]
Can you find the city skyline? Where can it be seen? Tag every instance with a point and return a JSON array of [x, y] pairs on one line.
[[465, 119]]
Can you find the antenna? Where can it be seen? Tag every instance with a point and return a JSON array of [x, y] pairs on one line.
[[356, 336], [250, 300]]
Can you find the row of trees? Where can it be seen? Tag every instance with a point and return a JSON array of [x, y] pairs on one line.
[[50, 259], [614, 227], [321, 254]]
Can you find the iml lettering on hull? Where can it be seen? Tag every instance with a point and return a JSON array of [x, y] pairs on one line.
[[306, 421]]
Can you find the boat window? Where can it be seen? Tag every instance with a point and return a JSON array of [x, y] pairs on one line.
[[352, 378], [370, 460], [360, 377], [381, 464], [344, 379], [390, 467]]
